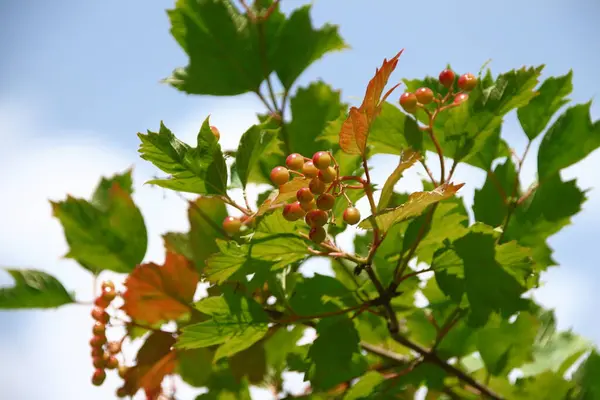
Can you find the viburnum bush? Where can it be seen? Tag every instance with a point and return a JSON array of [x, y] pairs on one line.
[[430, 296]]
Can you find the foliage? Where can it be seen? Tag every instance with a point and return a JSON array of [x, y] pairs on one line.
[[374, 341]]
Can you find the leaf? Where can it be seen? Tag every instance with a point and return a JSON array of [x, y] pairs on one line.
[[312, 107], [490, 202], [355, 129], [160, 293], [154, 361], [365, 386], [407, 160], [299, 45], [543, 386], [252, 147], [551, 354], [200, 170], [504, 345], [206, 215], [108, 233], [237, 323], [178, 242], [320, 294], [569, 140], [416, 204], [335, 354], [33, 289], [587, 378], [250, 363], [279, 345], [195, 366], [286, 192], [552, 95]]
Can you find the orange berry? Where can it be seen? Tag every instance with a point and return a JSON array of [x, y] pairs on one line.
[[316, 186], [321, 159], [328, 174], [295, 161], [325, 202], [351, 215], [424, 95], [232, 225], [304, 195], [309, 170], [280, 175]]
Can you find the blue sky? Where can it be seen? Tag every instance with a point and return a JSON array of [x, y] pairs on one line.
[[79, 79]]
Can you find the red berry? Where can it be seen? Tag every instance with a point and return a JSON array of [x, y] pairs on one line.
[[467, 82], [98, 377], [460, 98], [216, 132], [113, 347], [97, 341], [328, 174], [424, 95], [122, 392], [109, 295], [112, 362], [446, 78], [100, 315], [97, 352], [325, 202], [316, 218], [232, 225], [295, 161], [321, 159], [311, 205], [98, 362], [309, 170], [101, 302], [293, 211], [123, 371], [280, 175], [408, 101], [316, 186], [317, 234], [107, 285], [304, 195], [99, 328], [351, 215]]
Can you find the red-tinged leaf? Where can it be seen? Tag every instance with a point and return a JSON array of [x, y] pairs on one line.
[[414, 206], [160, 293], [286, 192], [372, 101], [354, 132]]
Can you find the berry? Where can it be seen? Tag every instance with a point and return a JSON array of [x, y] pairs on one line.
[[122, 392], [424, 95], [316, 218], [114, 347], [467, 82], [304, 195], [311, 205], [97, 341], [446, 78], [309, 170], [317, 234], [321, 159], [100, 315], [123, 371], [293, 211], [97, 352], [101, 302], [98, 362], [99, 328], [109, 295], [112, 362], [107, 285], [280, 175], [351, 215], [328, 175], [295, 161], [232, 225], [460, 98], [216, 132], [325, 202], [98, 377], [408, 101], [316, 186]]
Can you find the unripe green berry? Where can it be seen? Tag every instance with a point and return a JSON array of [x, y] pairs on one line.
[[351, 215]]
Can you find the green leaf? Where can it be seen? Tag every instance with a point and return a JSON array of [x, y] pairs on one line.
[[551, 96], [195, 366], [279, 345], [320, 294], [490, 202], [250, 364], [569, 140], [299, 45], [407, 160], [504, 345], [556, 353], [107, 234], [544, 386], [253, 144], [200, 170], [587, 378], [416, 204], [335, 355], [365, 386], [33, 289], [237, 323], [178, 242], [206, 215], [313, 108]]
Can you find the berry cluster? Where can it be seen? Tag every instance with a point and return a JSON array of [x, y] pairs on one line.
[[104, 353], [315, 202], [422, 96]]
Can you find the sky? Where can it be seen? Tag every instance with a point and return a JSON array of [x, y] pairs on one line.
[[79, 79]]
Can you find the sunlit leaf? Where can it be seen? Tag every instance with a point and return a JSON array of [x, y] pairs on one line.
[[407, 159]]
